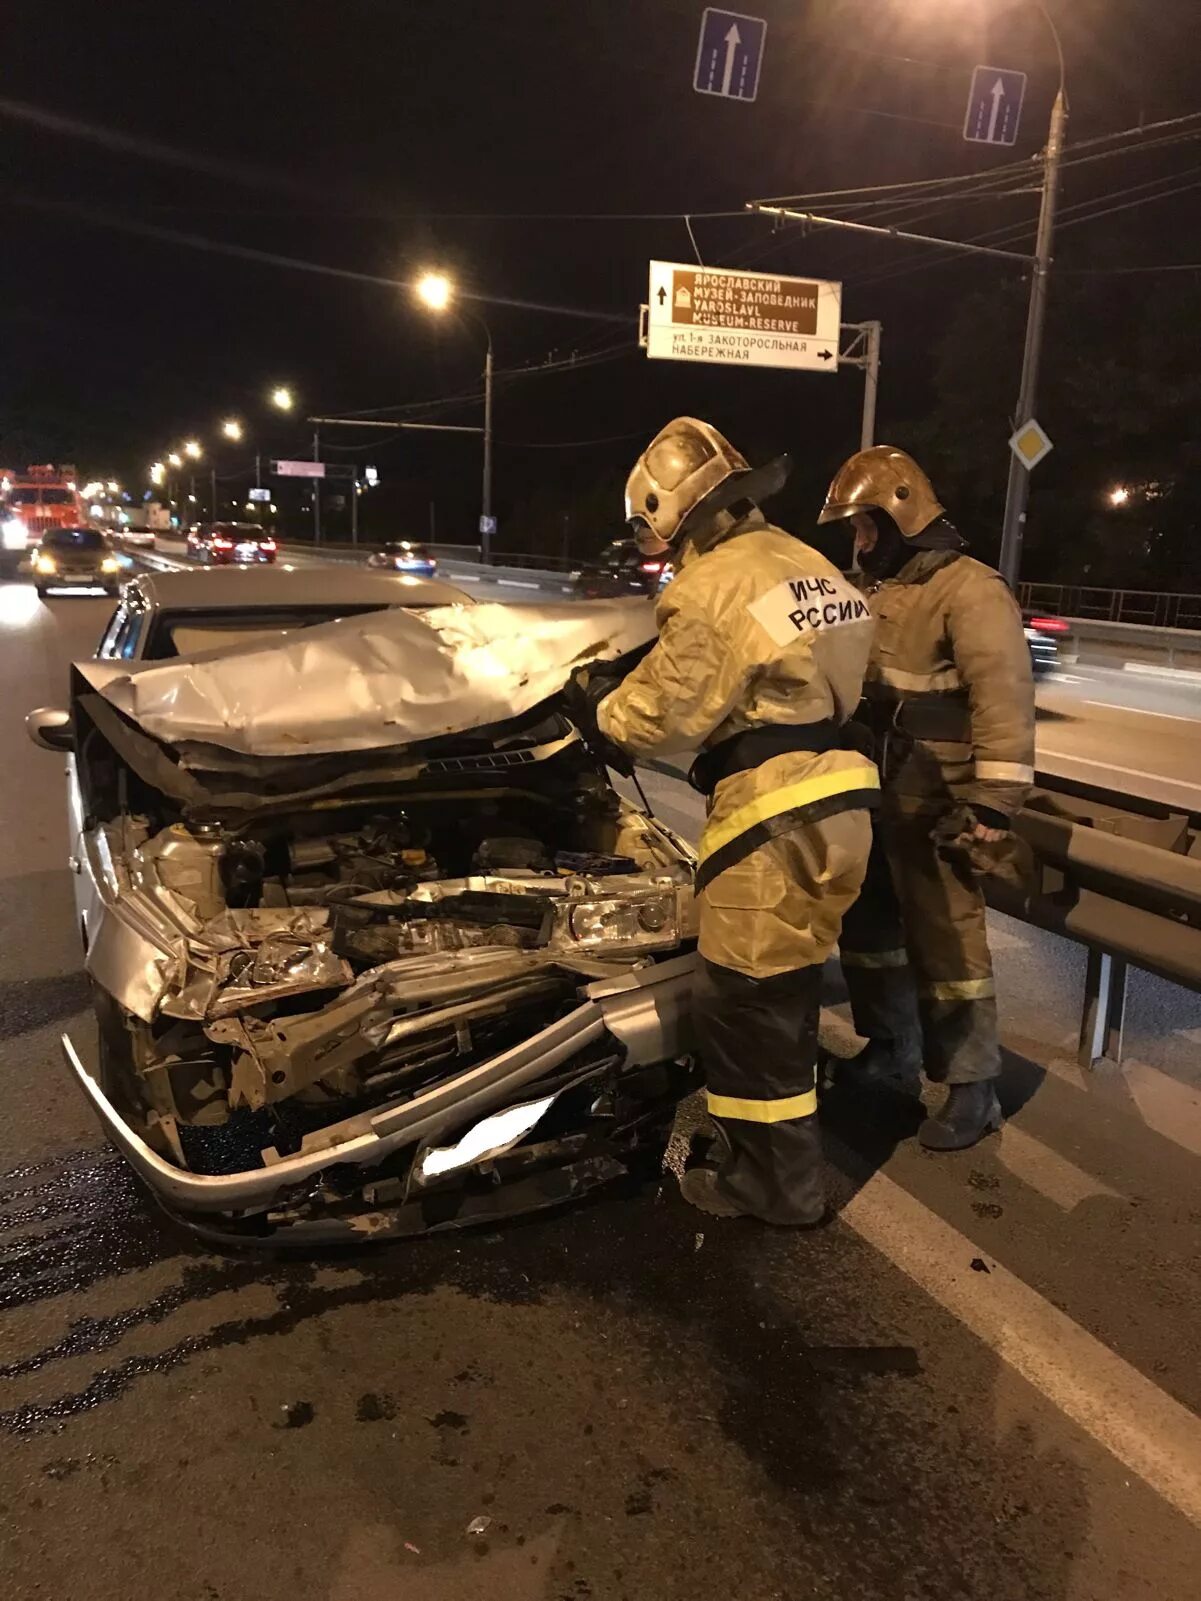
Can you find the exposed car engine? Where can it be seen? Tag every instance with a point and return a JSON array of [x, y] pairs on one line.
[[332, 959]]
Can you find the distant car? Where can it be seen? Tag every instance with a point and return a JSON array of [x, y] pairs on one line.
[[621, 569], [1043, 635], [136, 538], [404, 556], [162, 615], [75, 558], [228, 544]]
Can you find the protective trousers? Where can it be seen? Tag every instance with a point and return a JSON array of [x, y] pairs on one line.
[[758, 1039], [915, 953], [767, 926]]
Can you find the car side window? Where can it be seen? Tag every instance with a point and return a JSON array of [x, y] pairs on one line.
[[126, 644], [108, 644]]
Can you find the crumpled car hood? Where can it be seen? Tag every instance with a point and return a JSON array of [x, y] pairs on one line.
[[388, 678]]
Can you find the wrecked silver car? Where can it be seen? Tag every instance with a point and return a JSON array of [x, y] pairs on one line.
[[376, 946]]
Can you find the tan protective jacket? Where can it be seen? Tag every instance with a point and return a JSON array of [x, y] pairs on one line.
[[758, 629], [949, 638]]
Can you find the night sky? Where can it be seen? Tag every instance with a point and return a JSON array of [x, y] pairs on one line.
[[369, 135]]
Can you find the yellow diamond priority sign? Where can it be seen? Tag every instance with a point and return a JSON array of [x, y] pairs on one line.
[[1030, 444]]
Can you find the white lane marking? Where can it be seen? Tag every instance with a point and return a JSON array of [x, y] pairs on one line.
[[1141, 711], [1165, 1105], [1183, 675], [517, 583], [1110, 767], [1044, 1170], [1145, 1429]]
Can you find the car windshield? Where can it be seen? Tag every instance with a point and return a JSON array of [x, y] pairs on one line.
[[24, 497], [74, 539], [57, 497], [182, 633]]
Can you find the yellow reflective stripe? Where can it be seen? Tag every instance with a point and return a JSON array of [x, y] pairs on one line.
[[921, 683], [874, 958], [804, 1105], [959, 989], [806, 793], [1004, 773]]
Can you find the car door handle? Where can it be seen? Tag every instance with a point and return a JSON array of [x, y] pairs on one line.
[[74, 863]]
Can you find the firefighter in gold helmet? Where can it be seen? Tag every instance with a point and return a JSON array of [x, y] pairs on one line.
[[760, 660], [949, 699]]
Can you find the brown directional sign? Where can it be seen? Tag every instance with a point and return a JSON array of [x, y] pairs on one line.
[[743, 300], [742, 318]]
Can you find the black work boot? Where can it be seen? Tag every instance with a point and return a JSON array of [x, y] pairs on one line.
[[882, 1063], [794, 1197], [699, 1187], [969, 1112]]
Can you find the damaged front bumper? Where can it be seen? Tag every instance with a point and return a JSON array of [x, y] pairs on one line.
[[643, 1015]]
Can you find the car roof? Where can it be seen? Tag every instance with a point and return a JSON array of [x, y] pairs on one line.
[[344, 584]]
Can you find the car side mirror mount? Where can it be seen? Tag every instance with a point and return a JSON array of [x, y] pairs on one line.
[[50, 728]]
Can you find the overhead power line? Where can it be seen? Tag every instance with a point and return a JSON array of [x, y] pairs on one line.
[[269, 258]]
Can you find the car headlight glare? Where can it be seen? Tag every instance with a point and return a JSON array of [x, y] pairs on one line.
[[110, 564], [14, 533], [43, 563]]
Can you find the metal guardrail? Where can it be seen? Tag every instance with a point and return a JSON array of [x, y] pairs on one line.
[[463, 553], [1152, 608], [1120, 876]]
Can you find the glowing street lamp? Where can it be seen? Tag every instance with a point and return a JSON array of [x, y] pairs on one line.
[[175, 459], [1119, 496], [232, 428], [282, 398], [435, 290], [192, 449]]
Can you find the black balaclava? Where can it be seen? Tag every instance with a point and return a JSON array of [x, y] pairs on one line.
[[892, 550]]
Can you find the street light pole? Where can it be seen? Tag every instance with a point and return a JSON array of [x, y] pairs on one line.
[[437, 291], [1017, 493], [486, 499], [316, 489]]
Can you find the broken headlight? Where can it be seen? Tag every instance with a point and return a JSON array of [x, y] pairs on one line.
[[649, 920]]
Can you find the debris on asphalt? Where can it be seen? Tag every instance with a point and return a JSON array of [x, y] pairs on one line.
[[296, 1415], [415, 1549], [979, 1265], [479, 1526]]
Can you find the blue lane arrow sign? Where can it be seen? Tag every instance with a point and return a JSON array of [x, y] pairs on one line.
[[729, 55], [994, 106]]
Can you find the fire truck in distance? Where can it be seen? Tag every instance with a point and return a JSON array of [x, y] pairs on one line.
[[34, 501]]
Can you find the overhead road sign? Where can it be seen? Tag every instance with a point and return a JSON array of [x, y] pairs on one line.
[[742, 319], [994, 106], [258, 494], [298, 469], [729, 55], [1030, 444]]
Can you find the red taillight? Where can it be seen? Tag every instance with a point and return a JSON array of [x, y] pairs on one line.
[[266, 544], [1051, 625], [223, 544]]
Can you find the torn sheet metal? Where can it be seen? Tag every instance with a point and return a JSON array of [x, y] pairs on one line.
[[383, 679], [492, 1137]]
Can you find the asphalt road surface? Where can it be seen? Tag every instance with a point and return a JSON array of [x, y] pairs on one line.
[[981, 1380]]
